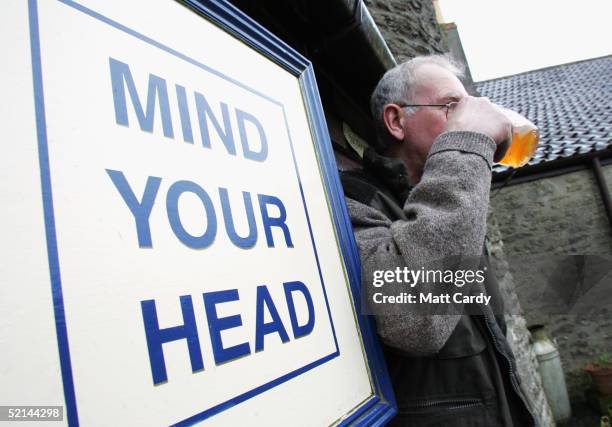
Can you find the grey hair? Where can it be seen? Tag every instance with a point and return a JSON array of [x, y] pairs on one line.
[[397, 86]]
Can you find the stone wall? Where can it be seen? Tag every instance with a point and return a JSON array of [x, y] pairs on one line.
[[517, 333], [408, 26], [562, 214], [558, 219]]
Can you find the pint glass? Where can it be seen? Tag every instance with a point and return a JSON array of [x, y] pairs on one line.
[[525, 138]]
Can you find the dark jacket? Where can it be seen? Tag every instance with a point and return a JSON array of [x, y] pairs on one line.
[[450, 370]]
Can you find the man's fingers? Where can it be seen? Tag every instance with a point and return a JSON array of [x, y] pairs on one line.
[[482, 116]]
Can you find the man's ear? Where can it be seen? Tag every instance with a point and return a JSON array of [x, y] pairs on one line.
[[394, 121]]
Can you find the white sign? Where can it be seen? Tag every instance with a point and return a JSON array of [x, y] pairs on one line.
[[167, 238]]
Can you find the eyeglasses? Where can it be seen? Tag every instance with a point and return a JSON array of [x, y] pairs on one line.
[[448, 105]]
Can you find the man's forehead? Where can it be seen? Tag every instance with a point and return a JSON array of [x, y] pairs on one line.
[[441, 91], [436, 81], [450, 93]]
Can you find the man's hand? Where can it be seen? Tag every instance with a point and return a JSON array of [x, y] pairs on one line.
[[482, 116]]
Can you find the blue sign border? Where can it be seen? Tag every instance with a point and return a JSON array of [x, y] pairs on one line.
[[375, 410]]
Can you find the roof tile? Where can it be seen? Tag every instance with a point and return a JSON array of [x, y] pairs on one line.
[[571, 104]]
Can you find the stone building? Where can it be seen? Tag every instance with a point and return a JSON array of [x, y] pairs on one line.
[[554, 215], [556, 209]]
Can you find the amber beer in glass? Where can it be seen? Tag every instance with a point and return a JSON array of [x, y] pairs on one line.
[[525, 138]]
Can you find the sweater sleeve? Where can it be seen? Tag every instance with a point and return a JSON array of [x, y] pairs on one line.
[[446, 214]]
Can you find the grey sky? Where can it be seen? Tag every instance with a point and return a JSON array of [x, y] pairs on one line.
[[504, 37]]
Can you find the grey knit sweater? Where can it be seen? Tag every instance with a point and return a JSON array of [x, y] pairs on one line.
[[446, 214]]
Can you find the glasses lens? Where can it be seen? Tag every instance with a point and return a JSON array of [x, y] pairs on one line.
[[449, 106]]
